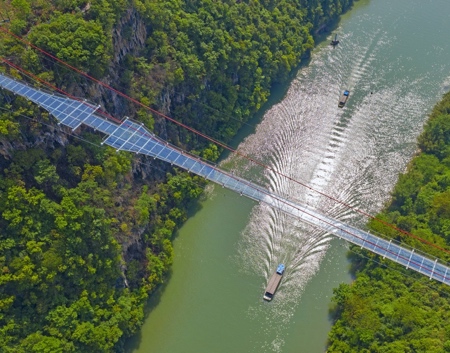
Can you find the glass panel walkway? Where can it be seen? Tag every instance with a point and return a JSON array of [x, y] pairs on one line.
[[133, 137]]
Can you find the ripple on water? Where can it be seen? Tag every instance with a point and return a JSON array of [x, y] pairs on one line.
[[353, 154]]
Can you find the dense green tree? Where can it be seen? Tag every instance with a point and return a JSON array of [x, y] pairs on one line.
[[81, 43], [388, 309]]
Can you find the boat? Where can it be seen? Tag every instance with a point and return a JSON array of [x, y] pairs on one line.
[[274, 282], [343, 99], [335, 41]]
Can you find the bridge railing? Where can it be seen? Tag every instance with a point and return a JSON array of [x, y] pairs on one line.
[[134, 137]]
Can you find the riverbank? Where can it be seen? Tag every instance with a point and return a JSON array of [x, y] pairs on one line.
[[388, 308]]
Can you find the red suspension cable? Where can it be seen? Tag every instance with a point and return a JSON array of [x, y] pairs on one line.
[[219, 143]]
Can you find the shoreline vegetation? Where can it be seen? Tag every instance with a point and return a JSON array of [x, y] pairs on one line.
[[388, 308], [86, 232]]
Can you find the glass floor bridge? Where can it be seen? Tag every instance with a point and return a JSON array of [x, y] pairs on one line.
[[129, 136]]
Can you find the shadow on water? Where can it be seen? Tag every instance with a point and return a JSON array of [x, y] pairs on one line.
[[132, 343]]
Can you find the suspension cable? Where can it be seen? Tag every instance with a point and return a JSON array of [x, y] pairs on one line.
[[211, 139]]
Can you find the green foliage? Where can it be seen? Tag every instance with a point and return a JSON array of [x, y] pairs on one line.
[[8, 127], [211, 153], [81, 43], [144, 205], [61, 283], [23, 8], [392, 310], [63, 279], [18, 26], [436, 138]]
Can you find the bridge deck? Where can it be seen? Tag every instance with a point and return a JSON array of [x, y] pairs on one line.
[[133, 137]]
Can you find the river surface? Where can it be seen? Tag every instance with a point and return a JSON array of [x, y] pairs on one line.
[[394, 57]]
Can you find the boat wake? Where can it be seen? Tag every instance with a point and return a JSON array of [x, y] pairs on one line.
[[353, 154]]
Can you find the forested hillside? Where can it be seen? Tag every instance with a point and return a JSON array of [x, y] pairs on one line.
[[85, 232], [388, 308]]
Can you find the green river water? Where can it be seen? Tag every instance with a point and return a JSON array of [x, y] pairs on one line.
[[394, 57]]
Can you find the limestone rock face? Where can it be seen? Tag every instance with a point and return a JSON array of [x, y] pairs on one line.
[[128, 38], [129, 35]]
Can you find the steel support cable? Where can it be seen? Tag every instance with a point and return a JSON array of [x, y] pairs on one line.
[[293, 206], [223, 145]]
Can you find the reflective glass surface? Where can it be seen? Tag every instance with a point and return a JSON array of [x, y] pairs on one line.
[[133, 137]]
